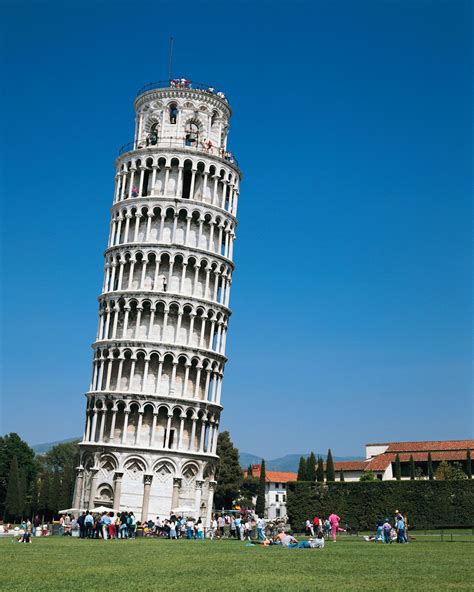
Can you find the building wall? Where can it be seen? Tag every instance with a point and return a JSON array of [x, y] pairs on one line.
[[372, 450]]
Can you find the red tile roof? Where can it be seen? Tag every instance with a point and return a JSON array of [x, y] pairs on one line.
[[382, 461], [273, 476], [427, 446], [349, 465]]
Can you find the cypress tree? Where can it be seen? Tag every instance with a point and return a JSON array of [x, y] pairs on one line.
[[430, 467], [468, 464], [330, 474], [320, 471], [260, 505], [398, 468], [43, 497], [412, 468], [54, 493], [311, 468], [301, 469], [341, 476], [13, 500], [229, 473], [249, 471]]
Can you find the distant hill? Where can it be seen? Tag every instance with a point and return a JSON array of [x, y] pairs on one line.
[[43, 448], [289, 462]]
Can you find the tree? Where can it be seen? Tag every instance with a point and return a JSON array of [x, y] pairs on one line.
[[249, 471], [54, 493], [229, 473], [330, 474], [468, 464], [14, 499], [398, 468], [311, 467], [341, 476], [368, 476], [320, 470], [430, 467], [302, 469], [248, 491], [260, 506], [412, 468], [449, 472], [43, 497], [12, 445]]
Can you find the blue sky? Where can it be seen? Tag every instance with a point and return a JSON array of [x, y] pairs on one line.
[[352, 124]]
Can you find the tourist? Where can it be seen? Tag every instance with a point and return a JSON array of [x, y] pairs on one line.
[[317, 524], [400, 526], [132, 525], [334, 522], [318, 542], [327, 528], [88, 524], [81, 523], [309, 528], [238, 525], [221, 526], [112, 529], [248, 528], [199, 529], [405, 524], [261, 528], [123, 529], [36, 525], [172, 532], [134, 191], [387, 531], [190, 528], [213, 528]]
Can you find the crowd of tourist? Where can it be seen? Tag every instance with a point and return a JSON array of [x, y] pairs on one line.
[[203, 145], [183, 83], [388, 532], [244, 526]]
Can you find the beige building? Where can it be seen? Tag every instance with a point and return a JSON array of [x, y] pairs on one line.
[[154, 402], [380, 458], [275, 490]]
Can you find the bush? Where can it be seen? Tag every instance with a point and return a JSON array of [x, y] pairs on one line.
[[427, 504]]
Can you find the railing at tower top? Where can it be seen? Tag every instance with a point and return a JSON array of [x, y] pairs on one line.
[[183, 84], [182, 144]]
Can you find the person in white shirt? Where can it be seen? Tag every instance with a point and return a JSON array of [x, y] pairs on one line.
[[213, 529], [318, 542], [261, 528]]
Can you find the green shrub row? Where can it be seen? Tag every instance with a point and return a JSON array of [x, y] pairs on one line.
[[427, 504]]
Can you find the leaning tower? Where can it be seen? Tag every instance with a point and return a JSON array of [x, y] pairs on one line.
[[154, 402]]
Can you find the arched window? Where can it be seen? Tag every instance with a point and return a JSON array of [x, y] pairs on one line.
[[192, 134], [153, 135], [173, 112], [214, 117]]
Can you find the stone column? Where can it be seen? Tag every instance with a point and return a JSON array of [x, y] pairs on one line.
[[125, 426], [153, 429], [210, 501], [181, 430], [199, 485], [147, 480], [112, 424], [94, 472], [193, 180], [78, 488], [117, 490], [176, 487], [193, 434]]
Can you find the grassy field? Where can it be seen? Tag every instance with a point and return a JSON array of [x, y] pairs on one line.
[[58, 563]]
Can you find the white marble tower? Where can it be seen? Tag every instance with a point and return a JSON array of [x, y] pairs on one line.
[[154, 402]]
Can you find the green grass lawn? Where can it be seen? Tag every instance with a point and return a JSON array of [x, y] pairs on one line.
[[63, 563]]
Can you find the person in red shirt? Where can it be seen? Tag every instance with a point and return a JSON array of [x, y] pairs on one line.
[[316, 524]]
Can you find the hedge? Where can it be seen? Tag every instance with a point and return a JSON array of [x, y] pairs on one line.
[[427, 504]]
